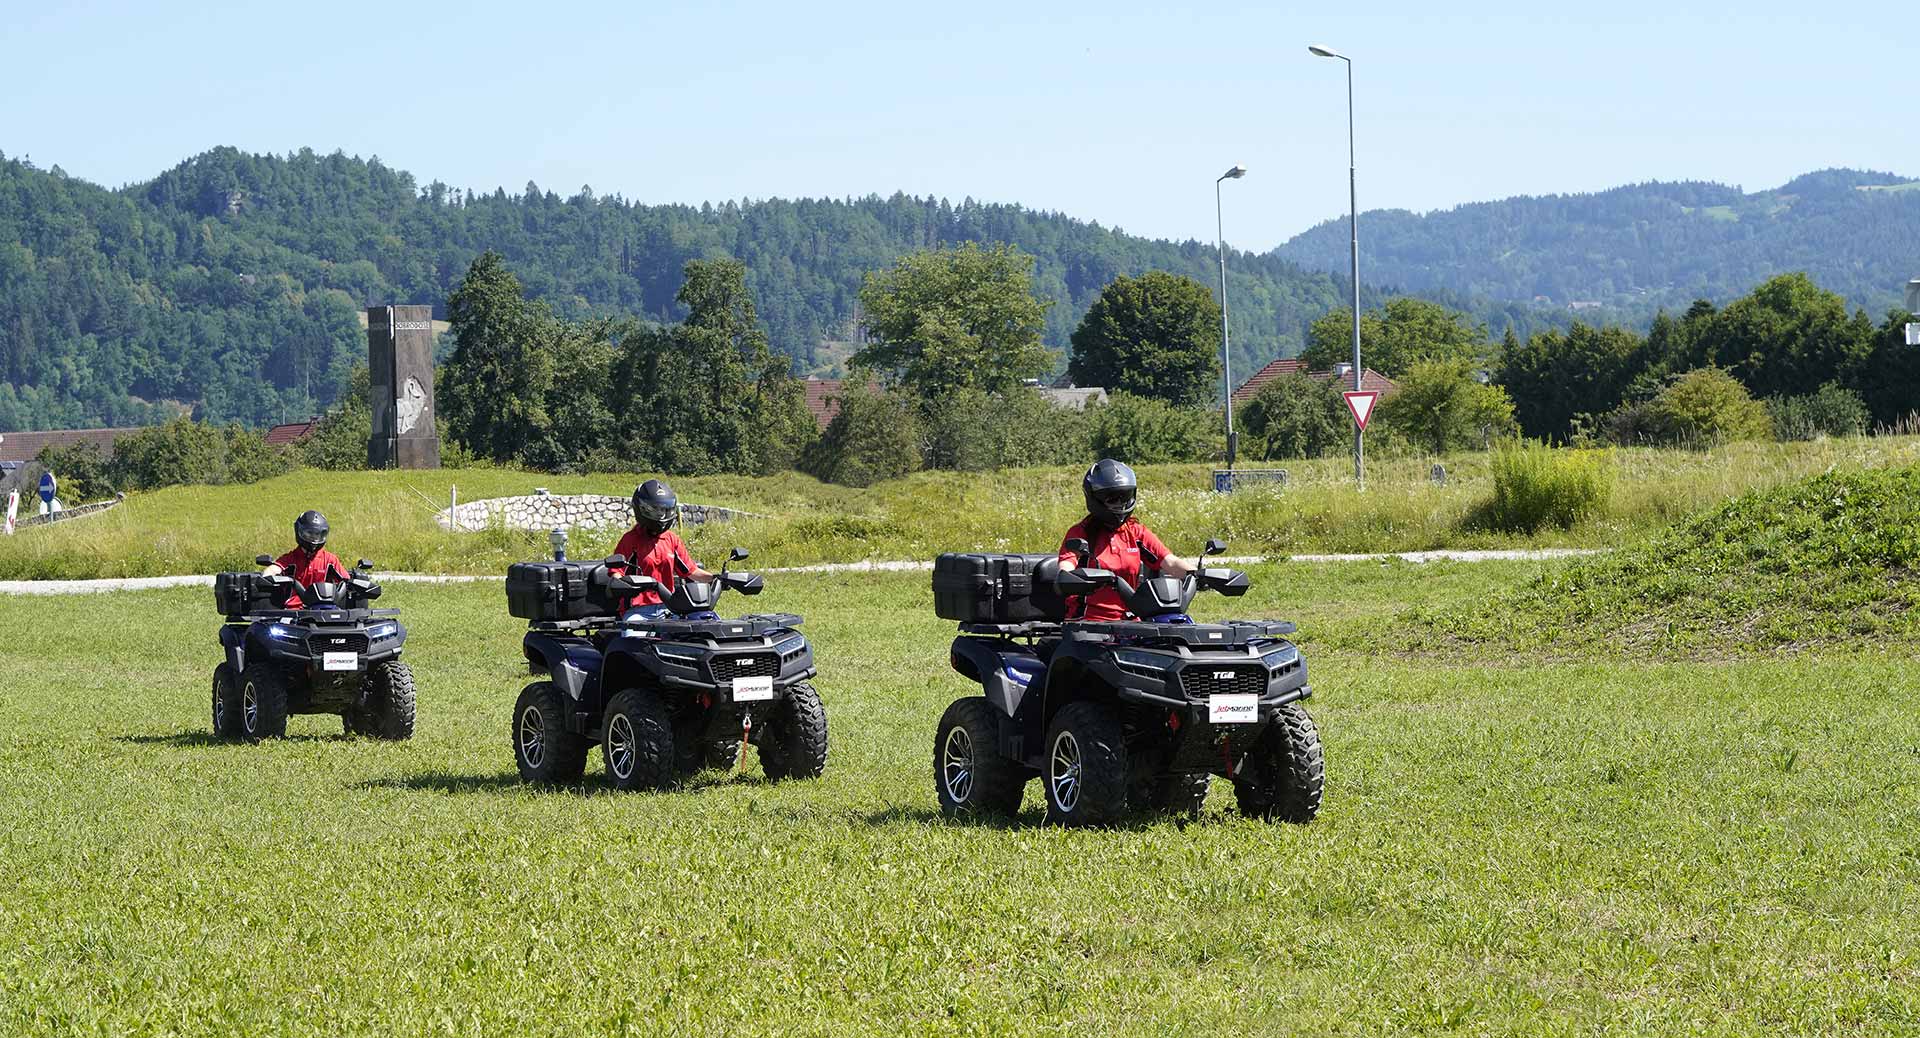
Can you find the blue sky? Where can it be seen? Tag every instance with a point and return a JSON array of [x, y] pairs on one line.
[[1122, 113]]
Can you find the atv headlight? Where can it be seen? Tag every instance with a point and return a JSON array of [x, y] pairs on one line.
[[383, 631], [1145, 662], [791, 645], [277, 631], [678, 657], [1283, 656]]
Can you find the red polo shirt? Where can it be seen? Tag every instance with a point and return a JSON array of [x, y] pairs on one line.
[[663, 556], [309, 568], [1120, 551]]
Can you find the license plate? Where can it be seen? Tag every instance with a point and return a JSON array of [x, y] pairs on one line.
[[1241, 708], [339, 661], [748, 690]]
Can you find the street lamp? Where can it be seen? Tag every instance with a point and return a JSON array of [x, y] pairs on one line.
[[1226, 340], [1353, 198]]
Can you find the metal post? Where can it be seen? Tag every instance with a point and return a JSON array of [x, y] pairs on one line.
[[1226, 337], [1353, 201]]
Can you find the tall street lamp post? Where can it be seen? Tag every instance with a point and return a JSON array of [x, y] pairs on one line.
[[1226, 341], [1353, 198]]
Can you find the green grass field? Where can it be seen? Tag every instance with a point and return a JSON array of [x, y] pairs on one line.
[[388, 516], [1596, 846]]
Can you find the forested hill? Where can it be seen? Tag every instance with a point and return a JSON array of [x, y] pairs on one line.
[[231, 283], [1633, 250]]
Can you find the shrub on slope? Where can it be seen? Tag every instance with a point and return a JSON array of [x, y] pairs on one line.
[[1830, 559]]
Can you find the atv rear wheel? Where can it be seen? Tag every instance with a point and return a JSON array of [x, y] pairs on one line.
[[545, 751], [387, 708], [263, 702], [1085, 774], [970, 776], [638, 743], [1284, 775], [795, 742], [226, 702]]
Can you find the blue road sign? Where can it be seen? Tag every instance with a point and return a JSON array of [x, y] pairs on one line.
[[46, 487]]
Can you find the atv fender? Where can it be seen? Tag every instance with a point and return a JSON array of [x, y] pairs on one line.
[[574, 667], [233, 638], [1004, 673]]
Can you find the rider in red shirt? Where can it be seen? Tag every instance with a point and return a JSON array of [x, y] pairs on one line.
[[652, 548], [309, 562], [1120, 543]]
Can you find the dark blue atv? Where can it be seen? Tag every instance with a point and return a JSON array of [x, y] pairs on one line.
[[663, 696], [333, 655], [1135, 714]]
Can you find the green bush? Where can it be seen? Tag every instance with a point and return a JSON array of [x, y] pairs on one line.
[[83, 474], [1708, 406], [1535, 485], [185, 451], [1296, 417], [1139, 431], [1833, 410], [1440, 407], [975, 431], [875, 437]]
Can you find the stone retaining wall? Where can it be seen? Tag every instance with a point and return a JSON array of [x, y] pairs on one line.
[[567, 511]]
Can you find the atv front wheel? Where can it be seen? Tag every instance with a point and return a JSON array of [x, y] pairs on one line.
[[795, 742], [969, 774], [638, 744], [1284, 775], [263, 702], [546, 752], [226, 702], [1086, 766], [387, 708]]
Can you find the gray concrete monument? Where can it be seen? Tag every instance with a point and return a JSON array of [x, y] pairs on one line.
[[400, 349]]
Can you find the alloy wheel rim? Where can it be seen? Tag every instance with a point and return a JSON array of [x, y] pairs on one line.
[[219, 709], [250, 707], [956, 767], [1063, 771], [620, 746], [533, 743]]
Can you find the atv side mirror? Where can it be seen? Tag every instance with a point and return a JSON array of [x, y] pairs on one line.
[[365, 564], [1080, 549], [263, 560], [1215, 546], [736, 554]]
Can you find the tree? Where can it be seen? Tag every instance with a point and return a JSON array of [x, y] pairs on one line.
[[1440, 407], [493, 389], [947, 319], [1555, 376], [1156, 336], [1394, 338], [1788, 335], [975, 431], [1294, 416], [339, 440], [1710, 406]]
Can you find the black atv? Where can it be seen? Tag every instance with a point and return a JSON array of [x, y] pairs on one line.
[[333, 655], [1136, 714], [663, 697]]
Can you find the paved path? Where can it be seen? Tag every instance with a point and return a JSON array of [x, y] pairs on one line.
[[81, 587]]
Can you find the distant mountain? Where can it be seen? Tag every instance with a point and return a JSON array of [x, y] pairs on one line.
[[1625, 253], [231, 283]]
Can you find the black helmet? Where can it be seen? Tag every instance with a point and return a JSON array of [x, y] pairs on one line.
[[1111, 491], [655, 507], [310, 530]]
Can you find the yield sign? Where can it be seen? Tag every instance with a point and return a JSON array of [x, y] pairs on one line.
[[1361, 404]]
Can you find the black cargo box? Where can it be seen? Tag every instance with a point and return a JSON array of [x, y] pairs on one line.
[[978, 587], [237, 594], [558, 590]]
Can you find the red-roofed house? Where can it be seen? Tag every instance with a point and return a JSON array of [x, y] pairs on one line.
[[1370, 380], [291, 432], [823, 398], [25, 446]]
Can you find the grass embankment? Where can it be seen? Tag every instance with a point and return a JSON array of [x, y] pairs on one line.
[[1822, 563], [1584, 848], [388, 516]]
